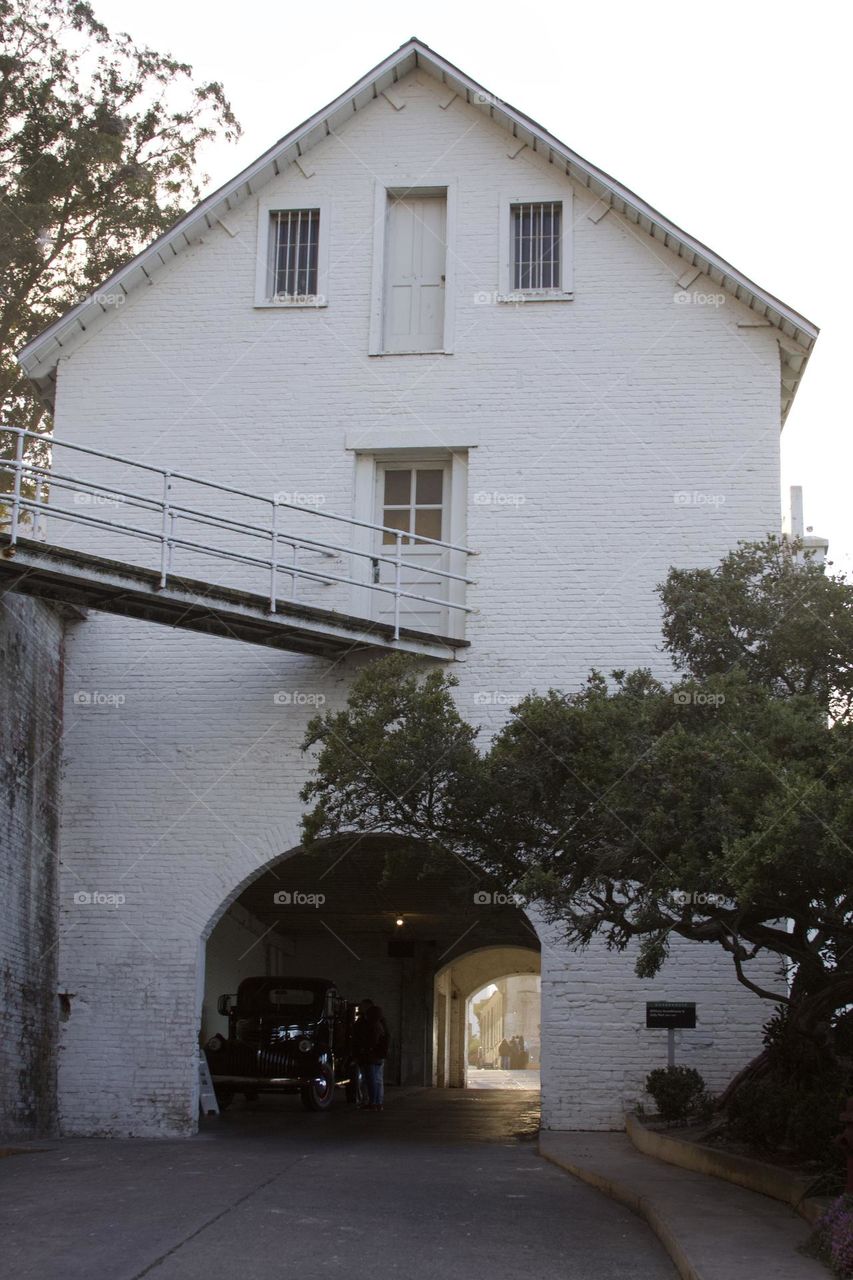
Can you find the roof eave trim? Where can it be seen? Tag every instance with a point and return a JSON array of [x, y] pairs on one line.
[[40, 350], [205, 211]]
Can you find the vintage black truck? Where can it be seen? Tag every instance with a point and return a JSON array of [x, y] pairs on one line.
[[285, 1035]]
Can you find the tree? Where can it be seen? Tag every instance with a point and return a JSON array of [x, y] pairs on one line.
[[771, 612], [100, 141], [398, 758], [715, 809]]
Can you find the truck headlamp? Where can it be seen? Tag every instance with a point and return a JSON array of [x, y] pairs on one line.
[[305, 1046]]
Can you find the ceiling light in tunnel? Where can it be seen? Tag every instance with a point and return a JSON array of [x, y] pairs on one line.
[[399, 922]]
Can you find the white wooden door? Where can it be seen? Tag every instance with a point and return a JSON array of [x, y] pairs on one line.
[[414, 499], [416, 255]]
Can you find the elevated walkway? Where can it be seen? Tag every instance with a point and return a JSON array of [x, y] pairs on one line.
[[108, 534], [72, 577]]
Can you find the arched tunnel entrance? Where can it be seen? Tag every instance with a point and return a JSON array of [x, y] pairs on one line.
[[487, 999], [417, 937]]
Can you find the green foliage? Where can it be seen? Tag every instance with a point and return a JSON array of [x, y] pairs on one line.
[[713, 810], [774, 1114], [679, 1093], [773, 613], [793, 1102], [398, 758], [100, 140]]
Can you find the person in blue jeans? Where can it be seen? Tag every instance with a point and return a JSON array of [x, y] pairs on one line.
[[373, 1050]]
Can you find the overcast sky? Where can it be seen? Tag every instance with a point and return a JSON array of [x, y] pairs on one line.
[[732, 119]]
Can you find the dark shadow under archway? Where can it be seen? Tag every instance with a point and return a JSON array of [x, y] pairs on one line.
[[374, 918]]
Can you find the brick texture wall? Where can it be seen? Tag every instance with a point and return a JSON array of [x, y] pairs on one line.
[[619, 433]]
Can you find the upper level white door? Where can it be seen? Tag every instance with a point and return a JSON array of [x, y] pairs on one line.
[[414, 499], [416, 254]]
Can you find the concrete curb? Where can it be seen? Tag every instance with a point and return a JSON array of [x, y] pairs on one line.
[[744, 1171], [624, 1194], [710, 1228]]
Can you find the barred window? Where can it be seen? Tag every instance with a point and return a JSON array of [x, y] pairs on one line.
[[294, 240], [536, 232]]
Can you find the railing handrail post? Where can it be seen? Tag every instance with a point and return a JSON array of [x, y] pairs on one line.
[[173, 524], [164, 529], [16, 485], [39, 529], [398, 555], [273, 555]]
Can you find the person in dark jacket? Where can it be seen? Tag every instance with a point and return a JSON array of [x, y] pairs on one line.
[[359, 1047], [504, 1050], [372, 1043]]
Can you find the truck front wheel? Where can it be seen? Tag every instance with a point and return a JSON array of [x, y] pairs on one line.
[[317, 1095]]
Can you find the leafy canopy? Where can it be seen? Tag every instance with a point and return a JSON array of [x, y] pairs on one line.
[[714, 809], [99, 142], [769, 611]]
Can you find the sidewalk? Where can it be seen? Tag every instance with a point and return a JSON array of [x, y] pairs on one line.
[[711, 1229], [498, 1079]]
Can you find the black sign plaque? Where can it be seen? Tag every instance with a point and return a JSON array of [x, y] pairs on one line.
[[670, 1013]]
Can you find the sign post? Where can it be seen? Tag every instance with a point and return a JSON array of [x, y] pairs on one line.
[[670, 1014]]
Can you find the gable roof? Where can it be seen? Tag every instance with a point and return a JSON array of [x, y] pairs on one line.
[[797, 335]]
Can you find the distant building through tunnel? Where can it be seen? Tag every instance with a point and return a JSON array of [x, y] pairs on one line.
[[507, 1011]]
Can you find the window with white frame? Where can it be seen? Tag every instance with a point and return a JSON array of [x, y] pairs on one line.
[[292, 257], [536, 248], [536, 235]]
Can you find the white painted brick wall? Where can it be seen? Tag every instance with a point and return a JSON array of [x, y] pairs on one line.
[[597, 411]]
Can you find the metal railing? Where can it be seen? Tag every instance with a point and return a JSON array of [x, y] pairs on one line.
[[34, 481]]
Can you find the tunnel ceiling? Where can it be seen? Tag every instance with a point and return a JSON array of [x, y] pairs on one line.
[[364, 889]]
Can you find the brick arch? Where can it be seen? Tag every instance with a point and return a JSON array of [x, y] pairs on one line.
[[288, 839]]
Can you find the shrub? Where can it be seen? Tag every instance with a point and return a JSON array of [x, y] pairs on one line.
[[775, 1114], [833, 1238], [794, 1105], [679, 1092]]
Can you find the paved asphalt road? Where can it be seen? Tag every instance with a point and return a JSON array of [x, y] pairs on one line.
[[443, 1185]]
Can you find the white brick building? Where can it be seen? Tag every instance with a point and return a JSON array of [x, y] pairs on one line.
[[601, 397]]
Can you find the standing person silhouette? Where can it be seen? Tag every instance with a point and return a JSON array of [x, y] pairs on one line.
[[373, 1044], [359, 1048]]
